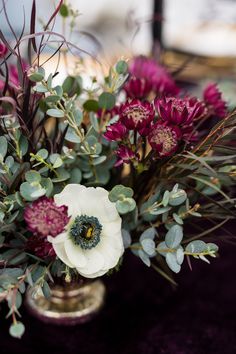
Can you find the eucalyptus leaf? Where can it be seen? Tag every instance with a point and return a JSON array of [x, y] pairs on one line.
[[17, 330], [55, 112], [174, 236], [172, 263]]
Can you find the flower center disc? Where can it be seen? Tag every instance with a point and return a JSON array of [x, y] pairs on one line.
[[85, 231]]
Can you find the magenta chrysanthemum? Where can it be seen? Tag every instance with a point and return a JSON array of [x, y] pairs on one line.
[[137, 87], [164, 139], [137, 115], [160, 80], [115, 132], [213, 99], [40, 247], [179, 110], [44, 217], [125, 155], [3, 50]]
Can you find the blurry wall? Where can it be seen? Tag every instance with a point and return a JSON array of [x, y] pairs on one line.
[[121, 26]]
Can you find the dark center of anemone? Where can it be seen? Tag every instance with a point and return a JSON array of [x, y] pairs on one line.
[[85, 231]]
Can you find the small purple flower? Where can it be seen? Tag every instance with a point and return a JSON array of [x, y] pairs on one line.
[[3, 50], [44, 217], [115, 132], [40, 247], [160, 80], [137, 115], [214, 101], [164, 139], [125, 155], [137, 87], [179, 111]]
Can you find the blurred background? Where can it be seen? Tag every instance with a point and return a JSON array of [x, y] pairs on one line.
[[198, 35]]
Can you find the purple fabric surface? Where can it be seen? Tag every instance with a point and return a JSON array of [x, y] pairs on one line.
[[143, 315]]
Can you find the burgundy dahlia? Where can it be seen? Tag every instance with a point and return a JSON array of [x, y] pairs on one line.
[[213, 99], [179, 111], [138, 87], [157, 75], [164, 139], [44, 217], [137, 115], [3, 50], [125, 155], [40, 247], [115, 132]]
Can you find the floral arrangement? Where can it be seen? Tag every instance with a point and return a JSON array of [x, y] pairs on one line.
[[132, 162]]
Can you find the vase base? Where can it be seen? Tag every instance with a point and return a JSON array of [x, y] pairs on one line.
[[67, 306]]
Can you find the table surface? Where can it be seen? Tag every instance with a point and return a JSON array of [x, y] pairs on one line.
[[144, 315]]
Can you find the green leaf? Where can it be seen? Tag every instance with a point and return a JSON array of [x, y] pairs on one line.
[[177, 198], [30, 193], [3, 147], [72, 136], [57, 113], [47, 184], [64, 11], [144, 257], [94, 121], [33, 177], [148, 246], [52, 99], [178, 219], [148, 234], [56, 160], [172, 263], [197, 246], [40, 88], [43, 153], [126, 238], [160, 211], [125, 206], [75, 175], [106, 100], [121, 67], [119, 192], [63, 175], [46, 290], [174, 236], [72, 86], [91, 106], [17, 330], [23, 144]]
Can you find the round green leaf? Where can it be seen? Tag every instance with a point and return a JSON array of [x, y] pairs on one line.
[[121, 67], [17, 330], [106, 100]]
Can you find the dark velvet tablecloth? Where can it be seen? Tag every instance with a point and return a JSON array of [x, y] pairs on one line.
[[144, 315]]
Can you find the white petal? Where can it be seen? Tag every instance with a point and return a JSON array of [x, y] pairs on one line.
[[59, 238], [96, 203], [111, 254], [75, 254], [111, 228], [93, 275], [95, 262], [70, 196], [61, 254]]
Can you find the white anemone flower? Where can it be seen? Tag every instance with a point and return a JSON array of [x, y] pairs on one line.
[[92, 241]]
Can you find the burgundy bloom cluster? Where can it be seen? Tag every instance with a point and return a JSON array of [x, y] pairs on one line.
[[214, 101], [43, 218], [3, 50], [136, 116], [146, 76], [13, 75]]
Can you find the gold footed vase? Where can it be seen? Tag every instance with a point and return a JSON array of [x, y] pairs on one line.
[[68, 304]]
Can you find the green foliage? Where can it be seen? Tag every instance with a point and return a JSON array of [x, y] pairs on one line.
[[122, 196]]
